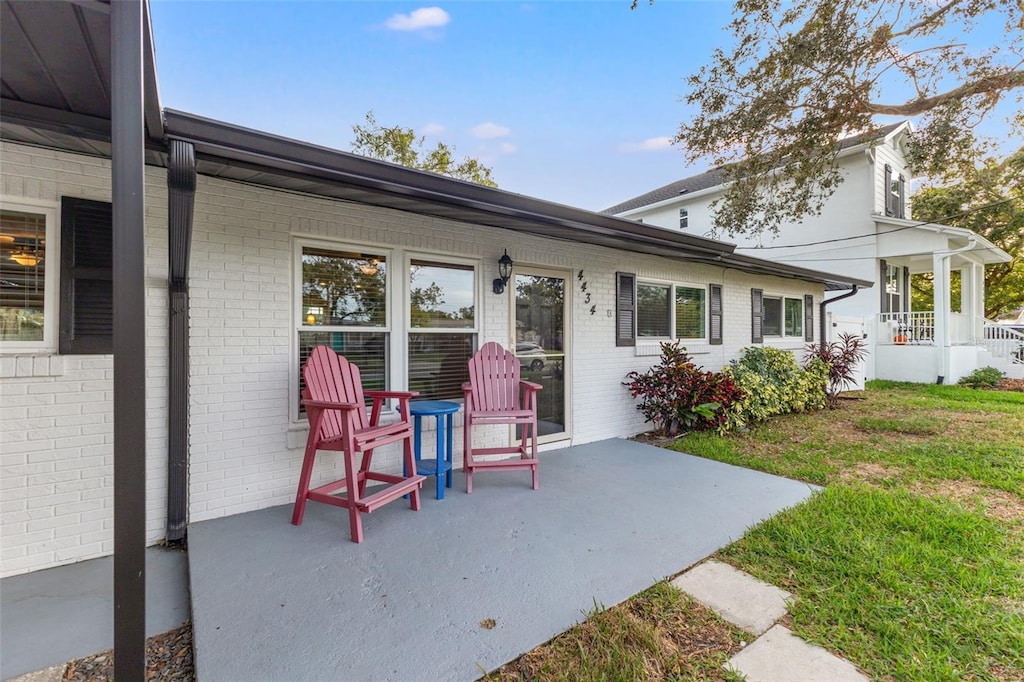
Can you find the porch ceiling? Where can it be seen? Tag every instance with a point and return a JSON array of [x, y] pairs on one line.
[[55, 87], [275, 601]]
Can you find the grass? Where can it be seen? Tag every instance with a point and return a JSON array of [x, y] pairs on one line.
[[660, 634], [911, 562]]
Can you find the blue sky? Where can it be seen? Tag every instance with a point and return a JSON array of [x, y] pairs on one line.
[[567, 101]]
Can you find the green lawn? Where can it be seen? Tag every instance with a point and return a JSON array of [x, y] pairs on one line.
[[911, 562]]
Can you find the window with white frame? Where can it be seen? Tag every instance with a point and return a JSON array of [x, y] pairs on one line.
[[783, 317], [28, 269], [442, 326], [894, 288], [684, 218], [343, 305], [671, 311]]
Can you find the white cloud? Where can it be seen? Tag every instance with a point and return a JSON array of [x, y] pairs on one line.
[[488, 131], [433, 129], [424, 17], [651, 144], [507, 148]]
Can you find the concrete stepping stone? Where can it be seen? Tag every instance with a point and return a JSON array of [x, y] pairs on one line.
[[780, 656], [736, 596]]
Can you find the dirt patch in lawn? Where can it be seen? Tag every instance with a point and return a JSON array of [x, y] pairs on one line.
[[997, 504], [868, 472]]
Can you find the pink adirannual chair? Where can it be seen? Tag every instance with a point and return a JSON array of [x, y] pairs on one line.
[[334, 402], [495, 394]]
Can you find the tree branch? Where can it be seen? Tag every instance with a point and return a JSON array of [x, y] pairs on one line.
[[994, 83], [928, 20]]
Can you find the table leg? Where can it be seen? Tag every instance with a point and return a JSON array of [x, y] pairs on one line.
[[440, 458], [449, 453]]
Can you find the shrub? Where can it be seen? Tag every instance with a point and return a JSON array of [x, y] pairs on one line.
[[775, 384], [983, 377], [842, 358], [676, 394]]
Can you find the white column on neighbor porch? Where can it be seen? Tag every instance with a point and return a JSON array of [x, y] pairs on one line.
[[972, 298], [940, 269]]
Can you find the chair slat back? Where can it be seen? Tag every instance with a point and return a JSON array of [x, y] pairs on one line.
[[494, 378], [330, 377]]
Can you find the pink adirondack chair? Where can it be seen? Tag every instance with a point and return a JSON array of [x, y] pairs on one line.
[[334, 403], [496, 395]]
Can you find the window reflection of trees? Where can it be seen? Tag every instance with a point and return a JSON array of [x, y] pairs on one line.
[[349, 288]]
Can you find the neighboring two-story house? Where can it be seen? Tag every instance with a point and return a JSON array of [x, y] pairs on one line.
[[866, 230]]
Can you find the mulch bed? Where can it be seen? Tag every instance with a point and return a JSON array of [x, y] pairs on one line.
[[1011, 385], [168, 658]]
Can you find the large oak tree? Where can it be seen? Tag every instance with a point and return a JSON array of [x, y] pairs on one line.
[[799, 76]]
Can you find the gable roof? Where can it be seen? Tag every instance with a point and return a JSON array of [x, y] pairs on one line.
[[713, 177]]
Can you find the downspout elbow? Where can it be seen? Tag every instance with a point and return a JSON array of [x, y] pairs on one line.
[[821, 313]]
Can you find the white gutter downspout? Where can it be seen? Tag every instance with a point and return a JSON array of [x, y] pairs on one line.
[[940, 268]]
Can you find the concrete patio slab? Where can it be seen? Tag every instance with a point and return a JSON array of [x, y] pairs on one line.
[[51, 617], [738, 597], [780, 656], [414, 601]]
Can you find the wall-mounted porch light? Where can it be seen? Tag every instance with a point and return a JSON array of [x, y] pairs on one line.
[[504, 272]]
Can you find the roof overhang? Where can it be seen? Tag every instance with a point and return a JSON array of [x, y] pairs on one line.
[[942, 238]]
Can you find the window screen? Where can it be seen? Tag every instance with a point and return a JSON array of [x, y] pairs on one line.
[[772, 316]]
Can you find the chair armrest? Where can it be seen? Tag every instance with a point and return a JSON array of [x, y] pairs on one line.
[[530, 385], [327, 405], [392, 394]]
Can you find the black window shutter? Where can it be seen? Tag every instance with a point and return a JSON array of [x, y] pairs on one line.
[[86, 277], [883, 278], [808, 317], [902, 208], [625, 309], [756, 315], [715, 314], [888, 190]]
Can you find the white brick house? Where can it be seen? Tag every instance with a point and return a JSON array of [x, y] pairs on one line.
[[263, 213], [865, 230]]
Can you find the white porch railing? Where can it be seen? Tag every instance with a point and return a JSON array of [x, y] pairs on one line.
[[906, 328], [918, 328], [1003, 342]]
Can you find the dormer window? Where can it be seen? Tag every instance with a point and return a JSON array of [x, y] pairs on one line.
[[684, 219]]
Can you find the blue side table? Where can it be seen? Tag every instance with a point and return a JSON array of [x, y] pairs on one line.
[[442, 466]]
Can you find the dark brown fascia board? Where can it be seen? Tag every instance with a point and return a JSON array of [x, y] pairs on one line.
[[235, 143], [153, 112]]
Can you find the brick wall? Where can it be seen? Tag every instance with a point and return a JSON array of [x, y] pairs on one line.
[[56, 414], [245, 452]]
